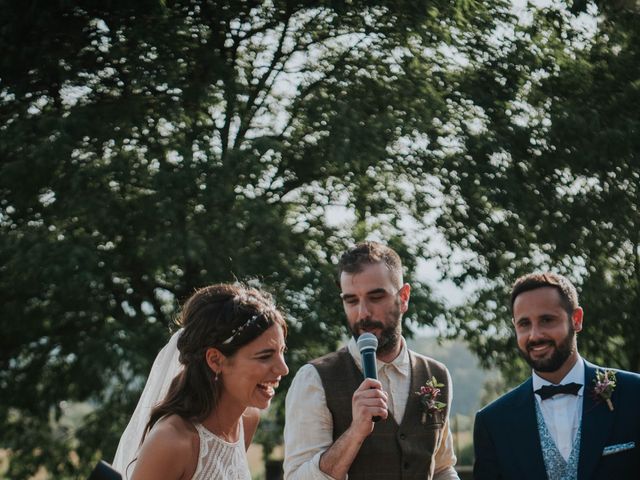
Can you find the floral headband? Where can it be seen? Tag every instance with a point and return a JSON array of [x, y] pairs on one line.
[[238, 330]]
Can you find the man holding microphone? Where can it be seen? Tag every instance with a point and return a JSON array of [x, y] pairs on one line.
[[332, 429]]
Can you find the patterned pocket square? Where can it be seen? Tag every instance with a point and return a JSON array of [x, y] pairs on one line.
[[620, 447]]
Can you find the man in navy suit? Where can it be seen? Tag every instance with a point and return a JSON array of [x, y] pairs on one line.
[[571, 420]]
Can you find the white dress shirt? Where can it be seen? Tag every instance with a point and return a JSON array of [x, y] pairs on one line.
[[562, 412], [308, 429]]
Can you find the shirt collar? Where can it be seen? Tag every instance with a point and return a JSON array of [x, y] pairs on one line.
[[401, 363], [576, 374]]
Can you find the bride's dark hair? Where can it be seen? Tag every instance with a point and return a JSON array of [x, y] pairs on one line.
[[223, 316]]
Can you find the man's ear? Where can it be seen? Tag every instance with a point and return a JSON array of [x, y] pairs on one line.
[[576, 319], [215, 359], [405, 293]]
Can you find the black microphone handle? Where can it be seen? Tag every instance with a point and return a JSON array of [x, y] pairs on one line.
[[369, 369]]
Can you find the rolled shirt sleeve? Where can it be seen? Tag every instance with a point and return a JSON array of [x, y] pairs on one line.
[[445, 457], [308, 429]]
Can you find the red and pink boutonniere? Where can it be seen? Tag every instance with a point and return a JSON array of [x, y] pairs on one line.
[[604, 384], [429, 394]]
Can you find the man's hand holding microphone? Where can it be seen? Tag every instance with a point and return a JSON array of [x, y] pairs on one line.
[[369, 403]]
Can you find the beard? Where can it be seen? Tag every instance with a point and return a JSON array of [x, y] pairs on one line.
[[389, 330], [559, 356]]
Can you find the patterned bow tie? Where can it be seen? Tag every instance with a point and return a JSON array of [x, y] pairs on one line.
[[548, 391]]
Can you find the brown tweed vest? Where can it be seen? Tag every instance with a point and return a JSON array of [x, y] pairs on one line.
[[392, 451]]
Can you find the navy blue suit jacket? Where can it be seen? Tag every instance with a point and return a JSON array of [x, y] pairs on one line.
[[507, 443]]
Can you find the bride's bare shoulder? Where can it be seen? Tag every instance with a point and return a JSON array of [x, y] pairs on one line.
[[170, 450], [175, 425]]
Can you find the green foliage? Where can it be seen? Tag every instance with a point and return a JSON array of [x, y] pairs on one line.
[[152, 147], [553, 180]]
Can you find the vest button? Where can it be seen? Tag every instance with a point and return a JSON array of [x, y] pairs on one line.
[[403, 436], [406, 465]]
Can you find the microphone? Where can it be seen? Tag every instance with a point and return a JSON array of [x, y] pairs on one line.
[[368, 344]]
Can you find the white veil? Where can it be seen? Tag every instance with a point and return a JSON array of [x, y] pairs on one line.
[[165, 367]]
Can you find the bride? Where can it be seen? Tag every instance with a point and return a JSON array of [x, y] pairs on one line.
[[229, 358]]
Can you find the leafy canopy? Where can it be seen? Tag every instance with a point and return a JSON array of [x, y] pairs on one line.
[[153, 147]]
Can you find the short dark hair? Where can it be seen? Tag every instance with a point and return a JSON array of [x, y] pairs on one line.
[[533, 281], [368, 253]]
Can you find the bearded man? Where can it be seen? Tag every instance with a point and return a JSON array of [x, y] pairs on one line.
[[330, 430], [571, 419]]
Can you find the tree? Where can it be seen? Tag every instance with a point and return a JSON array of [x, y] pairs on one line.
[[152, 147], [553, 180]]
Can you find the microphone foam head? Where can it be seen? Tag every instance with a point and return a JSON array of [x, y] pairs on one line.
[[367, 341]]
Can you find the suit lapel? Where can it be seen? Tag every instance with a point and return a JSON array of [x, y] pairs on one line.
[[523, 427], [412, 410], [597, 421]]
